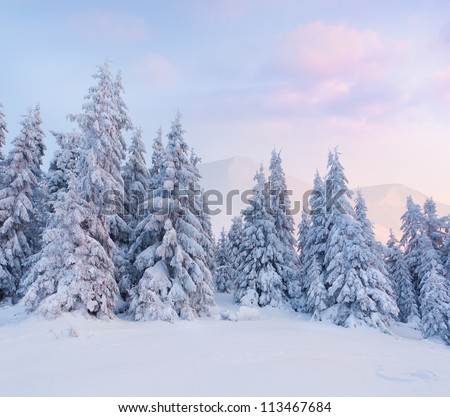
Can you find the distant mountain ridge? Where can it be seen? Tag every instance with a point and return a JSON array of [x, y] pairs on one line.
[[386, 202]]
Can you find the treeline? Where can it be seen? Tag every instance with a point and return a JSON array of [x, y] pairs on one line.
[[340, 272], [151, 255]]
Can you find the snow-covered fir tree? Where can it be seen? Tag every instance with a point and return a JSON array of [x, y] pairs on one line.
[[361, 216], [3, 132], [434, 291], [158, 157], [223, 279], [174, 279], [359, 292], [312, 241], [136, 178], [234, 239], [64, 163], [75, 271], [137, 188], [280, 206], [101, 124], [39, 196], [434, 226], [16, 208], [200, 207], [316, 294], [37, 142], [402, 282], [259, 277], [412, 227]]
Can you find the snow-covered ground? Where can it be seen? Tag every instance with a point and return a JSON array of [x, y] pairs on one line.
[[281, 354]]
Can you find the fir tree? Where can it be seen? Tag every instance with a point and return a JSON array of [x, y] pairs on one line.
[[359, 292], [234, 243], [222, 274], [158, 157], [361, 216], [316, 294], [402, 281], [174, 279], [16, 209], [64, 163], [434, 292], [39, 196], [101, 125], [313, 243], [280, 206], [103, 150], [75, 271], [259, 276], [434, 226], [412, 227], [136, 178], [136, 187], [207, 237], [298, 295]]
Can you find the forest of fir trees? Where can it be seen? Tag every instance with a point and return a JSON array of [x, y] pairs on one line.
[[154, 257]]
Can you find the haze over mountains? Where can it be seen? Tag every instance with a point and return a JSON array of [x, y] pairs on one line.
[[386, 202]]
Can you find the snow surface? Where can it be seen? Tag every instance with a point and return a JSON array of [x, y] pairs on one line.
[[281, 354]]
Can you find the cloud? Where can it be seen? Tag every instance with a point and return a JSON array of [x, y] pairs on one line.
[[331, 51], [110, 26]]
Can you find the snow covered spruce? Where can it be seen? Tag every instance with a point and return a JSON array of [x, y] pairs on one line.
[[104, 234]]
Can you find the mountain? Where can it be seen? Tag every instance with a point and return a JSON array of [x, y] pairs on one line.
[[233, 179], [386, 203]]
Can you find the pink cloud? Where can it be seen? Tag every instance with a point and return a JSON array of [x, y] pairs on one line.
[[107, 25], [331, 51], [320, 93]]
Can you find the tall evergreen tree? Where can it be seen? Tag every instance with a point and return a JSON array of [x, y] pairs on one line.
[[199, 201], [136, 178], [234, 239], [102, 123], [74, 272], [412, 227], [137, 188], [98, 172], [39, 196], [316, 294], [361, 216], [16, 209], [37, 142], [434, 292], [222, 275], [259, 278], [313, 242], [280, 206], [402, 282], [434, 226], [172, 264], [64, 163], [158, 158], [359, 292]]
